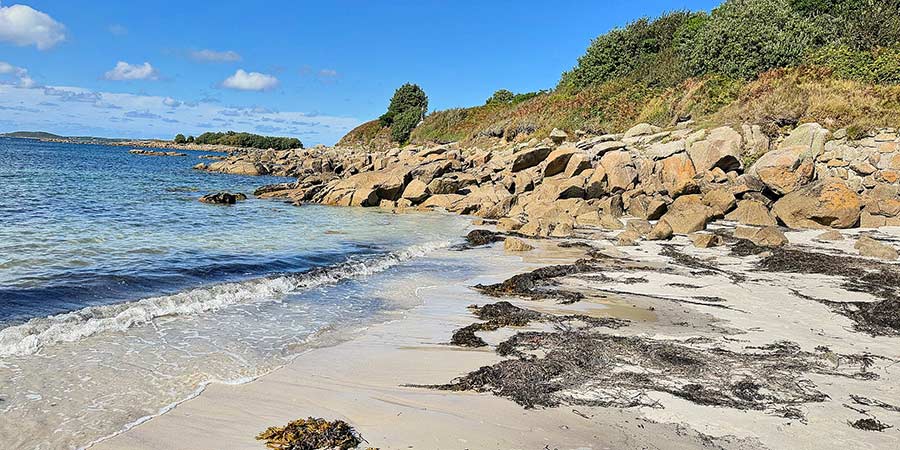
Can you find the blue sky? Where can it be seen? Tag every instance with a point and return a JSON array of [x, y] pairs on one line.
[[307, 69]]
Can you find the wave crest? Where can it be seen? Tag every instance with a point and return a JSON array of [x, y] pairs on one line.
[[30, 337]]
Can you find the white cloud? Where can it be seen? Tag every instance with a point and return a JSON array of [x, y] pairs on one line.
[[328, 73], [171, 102], [252, 81], [125, 71], [23, 80], [215, 56], [24, 26], [118, 30]]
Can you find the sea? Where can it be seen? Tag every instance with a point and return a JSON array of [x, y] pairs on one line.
[[122, 295]]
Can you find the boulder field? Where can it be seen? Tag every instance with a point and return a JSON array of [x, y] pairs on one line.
[[677, 180]]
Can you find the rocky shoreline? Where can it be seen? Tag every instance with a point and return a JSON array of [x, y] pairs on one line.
[[680, 180]]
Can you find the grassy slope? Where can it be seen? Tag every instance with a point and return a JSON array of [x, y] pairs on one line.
[[776, 99]]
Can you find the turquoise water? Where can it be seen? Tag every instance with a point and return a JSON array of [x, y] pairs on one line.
[[120, 293]]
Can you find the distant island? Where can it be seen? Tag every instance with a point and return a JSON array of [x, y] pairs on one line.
[[209, 141]]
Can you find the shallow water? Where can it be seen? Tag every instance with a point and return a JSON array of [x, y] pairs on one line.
[[120, 293]]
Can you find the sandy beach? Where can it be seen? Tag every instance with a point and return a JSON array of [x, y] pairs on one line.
[[364, 380]]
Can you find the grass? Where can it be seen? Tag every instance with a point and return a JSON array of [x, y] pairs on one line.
[[777, 100]]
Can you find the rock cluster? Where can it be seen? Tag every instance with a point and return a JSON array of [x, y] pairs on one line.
[[222, 198], [676, 181]]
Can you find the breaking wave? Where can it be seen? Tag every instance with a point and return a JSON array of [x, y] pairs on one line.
[[30, 337]]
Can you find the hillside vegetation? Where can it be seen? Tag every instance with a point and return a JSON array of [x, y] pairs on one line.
[[770, 62], [246, 140]]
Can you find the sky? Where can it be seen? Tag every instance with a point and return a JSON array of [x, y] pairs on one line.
[[306, 69]]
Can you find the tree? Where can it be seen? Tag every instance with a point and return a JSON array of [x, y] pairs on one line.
[[409, 97], [501, 96], [180, 139], [190, 139]]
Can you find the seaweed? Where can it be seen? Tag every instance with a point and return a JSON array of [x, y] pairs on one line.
[[870, 424], [311, 434], [504, 314], [595, 369], [534, 285]]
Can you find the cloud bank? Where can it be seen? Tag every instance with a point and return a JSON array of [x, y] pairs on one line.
[[252, 81], [23, 26]]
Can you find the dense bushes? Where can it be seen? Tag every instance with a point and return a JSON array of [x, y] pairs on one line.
[[248, 140], [880, 65], [407, 108], [642, 45], [742, 38]]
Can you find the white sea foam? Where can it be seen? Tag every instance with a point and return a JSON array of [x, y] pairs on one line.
[[37, 333]]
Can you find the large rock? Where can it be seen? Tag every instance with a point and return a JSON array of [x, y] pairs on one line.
[[721, 148], [785, 170], [676, 173], [825, 203], [558, 159], [620, 172], [809, 136], [763, 237], [872, 248], [752, 212], [416, 191], [387, 184], [529, 158], [641, 129], [558, 136], [721, 201], [688, 218], [512, 244]]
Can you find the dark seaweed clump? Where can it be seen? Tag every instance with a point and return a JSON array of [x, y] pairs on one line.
[[311, 434], [535, 285], [587, 368], [505, 314]]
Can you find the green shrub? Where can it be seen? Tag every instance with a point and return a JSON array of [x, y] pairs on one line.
[[743, 38], [190, 139], [403, 125], [501, 97], [860, 24], [880, 65], [180, 139], [409, 97], [642, 46]]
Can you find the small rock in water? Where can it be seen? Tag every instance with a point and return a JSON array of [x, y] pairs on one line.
[[222, 198], [512, 244]]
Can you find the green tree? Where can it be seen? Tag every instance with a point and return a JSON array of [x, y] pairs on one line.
[[180, 139], [409, 97], [501, 97], [190, 139]]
